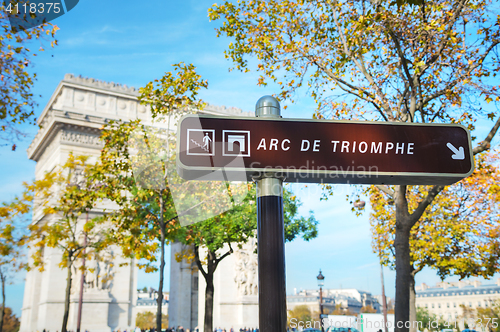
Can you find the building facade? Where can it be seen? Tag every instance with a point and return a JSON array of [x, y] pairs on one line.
[[311, 301], [346, 299], [147, 301], [446, 298]]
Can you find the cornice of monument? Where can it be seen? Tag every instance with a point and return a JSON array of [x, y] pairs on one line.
[[102, 85], [90, 103]]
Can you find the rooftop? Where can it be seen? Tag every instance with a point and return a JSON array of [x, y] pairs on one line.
[[149, 302], [457, 288]]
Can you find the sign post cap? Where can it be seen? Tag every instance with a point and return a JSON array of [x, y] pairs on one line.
[[268, 106]]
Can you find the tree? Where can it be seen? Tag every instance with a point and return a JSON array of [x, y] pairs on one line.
[[17, 103], [420, 61], [367, 309], [234, 228], [340, 310], [424, 318], [14, 224], [430, 322], [11, 322], [490, 316], [146, 218], [64, 196], [468, 315], [458, 232], [301, 313], [146, 320]]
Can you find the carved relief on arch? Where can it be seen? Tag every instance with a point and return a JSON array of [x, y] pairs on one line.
[[80, 97], [102, 102], [81, 138], [245, 268], [142, 108], [99, 273], [123, 105]]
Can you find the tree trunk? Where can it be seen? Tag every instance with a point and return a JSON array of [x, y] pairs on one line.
[[2, 312], [212, 262], [66, 299], [82, 284], [209, 293], [384, 299], [413, 309], [162, 266], [403, 267]]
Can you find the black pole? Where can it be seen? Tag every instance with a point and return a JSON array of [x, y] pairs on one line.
[[271, 239], [321, 307], [384, 300]]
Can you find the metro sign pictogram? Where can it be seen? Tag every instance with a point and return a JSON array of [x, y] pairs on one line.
[[323, 151]]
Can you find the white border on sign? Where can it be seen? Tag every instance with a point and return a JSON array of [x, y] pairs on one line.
[[205, 153], [247, 154]]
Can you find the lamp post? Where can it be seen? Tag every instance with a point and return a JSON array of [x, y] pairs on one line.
[[321, 282]]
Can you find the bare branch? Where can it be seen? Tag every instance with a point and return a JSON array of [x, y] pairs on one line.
[[229, 252], [350, 87], [485, 145], [385, 190], [466, 74], [402, 57], [419, 211], [444, 42], [198, 261], [358, 61]]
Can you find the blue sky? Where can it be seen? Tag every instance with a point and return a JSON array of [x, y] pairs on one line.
[[132, 43]]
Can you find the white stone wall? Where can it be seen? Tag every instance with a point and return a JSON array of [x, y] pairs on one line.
[[236, 302], [183, 290]]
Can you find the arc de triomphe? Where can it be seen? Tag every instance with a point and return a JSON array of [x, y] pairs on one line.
[[71, 122]]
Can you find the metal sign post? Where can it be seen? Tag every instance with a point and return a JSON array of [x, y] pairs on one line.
[[271, 239], [270, 150]]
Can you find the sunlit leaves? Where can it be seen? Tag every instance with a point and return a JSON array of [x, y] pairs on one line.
[[64, 219], [457, 234], [17, 103], [409, 61], [240, 223], [65, 198], [137, 221], [398, 61], [14, 224], [175, 91]]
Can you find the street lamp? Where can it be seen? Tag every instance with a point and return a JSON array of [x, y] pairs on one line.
[[321, 282]]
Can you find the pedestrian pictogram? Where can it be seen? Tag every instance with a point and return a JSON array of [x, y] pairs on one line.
[[200, 142]]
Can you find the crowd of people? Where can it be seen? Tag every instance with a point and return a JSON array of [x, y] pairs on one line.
[[181, 329], [255, 329]]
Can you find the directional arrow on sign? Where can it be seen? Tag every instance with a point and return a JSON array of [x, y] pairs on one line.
[[459, 153]]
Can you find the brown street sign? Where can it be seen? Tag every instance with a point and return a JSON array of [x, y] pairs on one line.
[[325, 151]]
